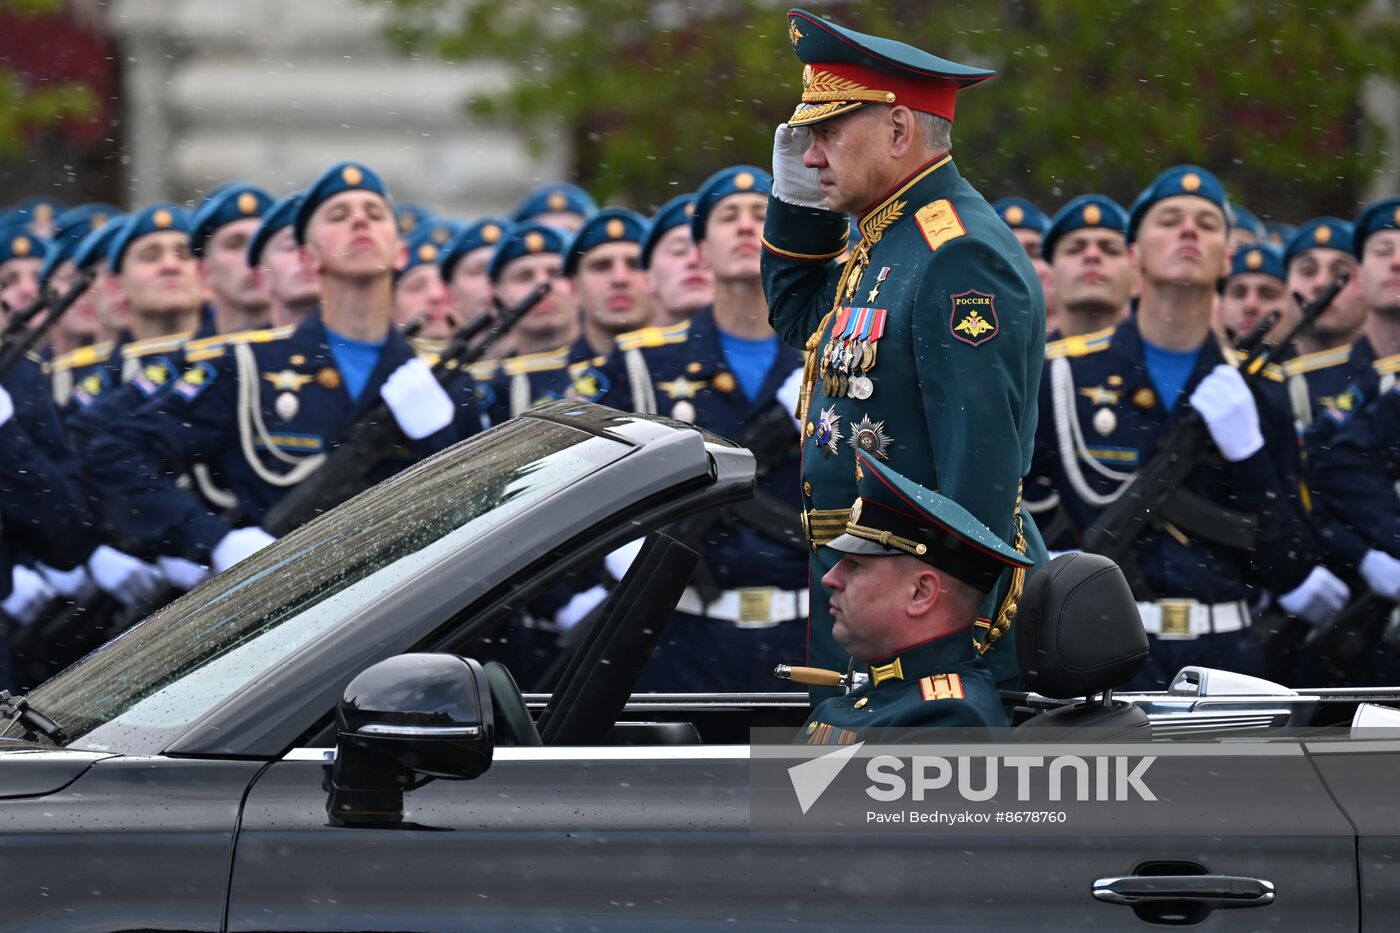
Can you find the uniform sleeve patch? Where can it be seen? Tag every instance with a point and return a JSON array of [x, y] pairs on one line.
[[940, 223], [195, 380], [974, 317], [942, 687], [589, 385]]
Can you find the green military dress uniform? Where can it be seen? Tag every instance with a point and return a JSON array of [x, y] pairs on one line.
[[924, 348]]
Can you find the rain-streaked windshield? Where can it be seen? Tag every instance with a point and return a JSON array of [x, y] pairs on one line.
[[144, 688]]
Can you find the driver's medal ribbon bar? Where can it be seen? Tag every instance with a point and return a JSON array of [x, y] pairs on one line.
[[851, 352]]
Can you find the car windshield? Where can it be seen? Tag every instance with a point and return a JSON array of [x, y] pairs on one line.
[[147, 686]]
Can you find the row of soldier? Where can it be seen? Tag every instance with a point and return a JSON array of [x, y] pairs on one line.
[[217, 356]]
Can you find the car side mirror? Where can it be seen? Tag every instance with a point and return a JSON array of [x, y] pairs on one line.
[[400, 724]]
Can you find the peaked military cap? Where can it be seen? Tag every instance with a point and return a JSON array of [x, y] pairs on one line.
[[339, 178], [1020, 214], [843, 70], [739, 179], [1244, 219], [18, 242], [486, 232], [1263, 258], [234, 201], [423, 249], [36, 210], [673, 214], [1087, 210], [1175, 181], [527, 239], [409, 216], [276, 218], [895, 515], [157, 218], [92, 249], [556, 198], [1382, 215], [1319, 233], [610, 225]]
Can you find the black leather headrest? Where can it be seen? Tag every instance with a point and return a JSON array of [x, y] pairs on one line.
[[1078, 630]]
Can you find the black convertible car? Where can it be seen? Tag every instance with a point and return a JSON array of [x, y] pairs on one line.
[[304, 743]]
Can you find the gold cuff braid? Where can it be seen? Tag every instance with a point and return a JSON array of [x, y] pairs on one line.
[[1007, 613]]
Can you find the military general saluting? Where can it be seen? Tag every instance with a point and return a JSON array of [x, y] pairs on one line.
[[925, 347]]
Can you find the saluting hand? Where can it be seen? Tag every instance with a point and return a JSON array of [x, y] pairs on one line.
[[794, 182]]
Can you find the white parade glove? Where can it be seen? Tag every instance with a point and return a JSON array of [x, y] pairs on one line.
[[1317, 597], [7, 406], [420, 405], [794, 182], [790, 394], [618, 561], [1227, 406], [73, 585], [237, 545], [28, 597], [1382, 574], [128, 580], [576, 609], [182, 574]]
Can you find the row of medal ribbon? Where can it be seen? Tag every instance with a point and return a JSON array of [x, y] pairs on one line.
[[851, 352]]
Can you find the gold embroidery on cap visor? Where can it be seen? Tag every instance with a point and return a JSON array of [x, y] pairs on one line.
[[825, 95]]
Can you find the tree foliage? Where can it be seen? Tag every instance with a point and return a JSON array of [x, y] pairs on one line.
[[25, 109], [1091, 94]]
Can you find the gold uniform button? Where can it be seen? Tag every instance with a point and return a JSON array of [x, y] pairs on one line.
[[807, 488], [860, 704], [811, 429]]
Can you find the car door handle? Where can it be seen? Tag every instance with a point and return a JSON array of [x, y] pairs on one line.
[[1212, 891]]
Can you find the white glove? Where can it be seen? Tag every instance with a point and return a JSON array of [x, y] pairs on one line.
[[73, 585], [1227, 406], [1317, 597], [237, 545], [182, 574], [790, 394], [128, 580], [576, 609], [1382, 574], [420, 405], [28, 597], [7, 406], [794, 182], [618, 561]]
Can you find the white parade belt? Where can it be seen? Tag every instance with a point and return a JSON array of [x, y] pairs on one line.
[[747, 607], [1186, 618]]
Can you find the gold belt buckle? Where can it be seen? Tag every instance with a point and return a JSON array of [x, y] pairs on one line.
[[755, 604], [1176, 616]]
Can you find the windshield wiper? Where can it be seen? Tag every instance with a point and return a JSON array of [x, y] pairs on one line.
[[18, 708]]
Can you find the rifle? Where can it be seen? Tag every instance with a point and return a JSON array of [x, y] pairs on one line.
[[19, 320], [1156, 493], [370, 439], [16, 346]]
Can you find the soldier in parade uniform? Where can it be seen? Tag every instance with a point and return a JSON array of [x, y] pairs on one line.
[[603, 263], [1376, 242], [680, 281], [913, 569], [559, 205], [82, 376], [420, 296], [221, 229], [1086, 246], [279, 264], [267, 406], [1245, 229], [463, 266], [1109, 397], [1030, 225], [22, 257], [79, 326], [925, 349], [1256, 286]]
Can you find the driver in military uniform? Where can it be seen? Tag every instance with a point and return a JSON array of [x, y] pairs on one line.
[[924, 349], [912, 570]]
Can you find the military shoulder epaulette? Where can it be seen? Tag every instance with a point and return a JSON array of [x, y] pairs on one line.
[[139, 348], [941, 687], [208, 348], [536, 362], [83, 356], [484, 370], [654, 336], [428, 345], [1080, 344], [582, 366], [1387, 365], [1312, 362], [1272, 372], [940, 223]]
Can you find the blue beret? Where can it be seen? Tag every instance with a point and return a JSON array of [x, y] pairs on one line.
[[610, 225], [423, 249], [673, 214], [236, 201], [740, 179], [157, 218], [1087, 210], [276, 218], [339, 178], [845, 70], [1177, 180], [1279, 232], [527, 239], [1263, 258], [1020, 214], [36, 210], [409, 216], [1243, 218], [69, 230], [17, 242], [1382, 215], [1319, 233], [92, 249], [557, 198], [485, 232]]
